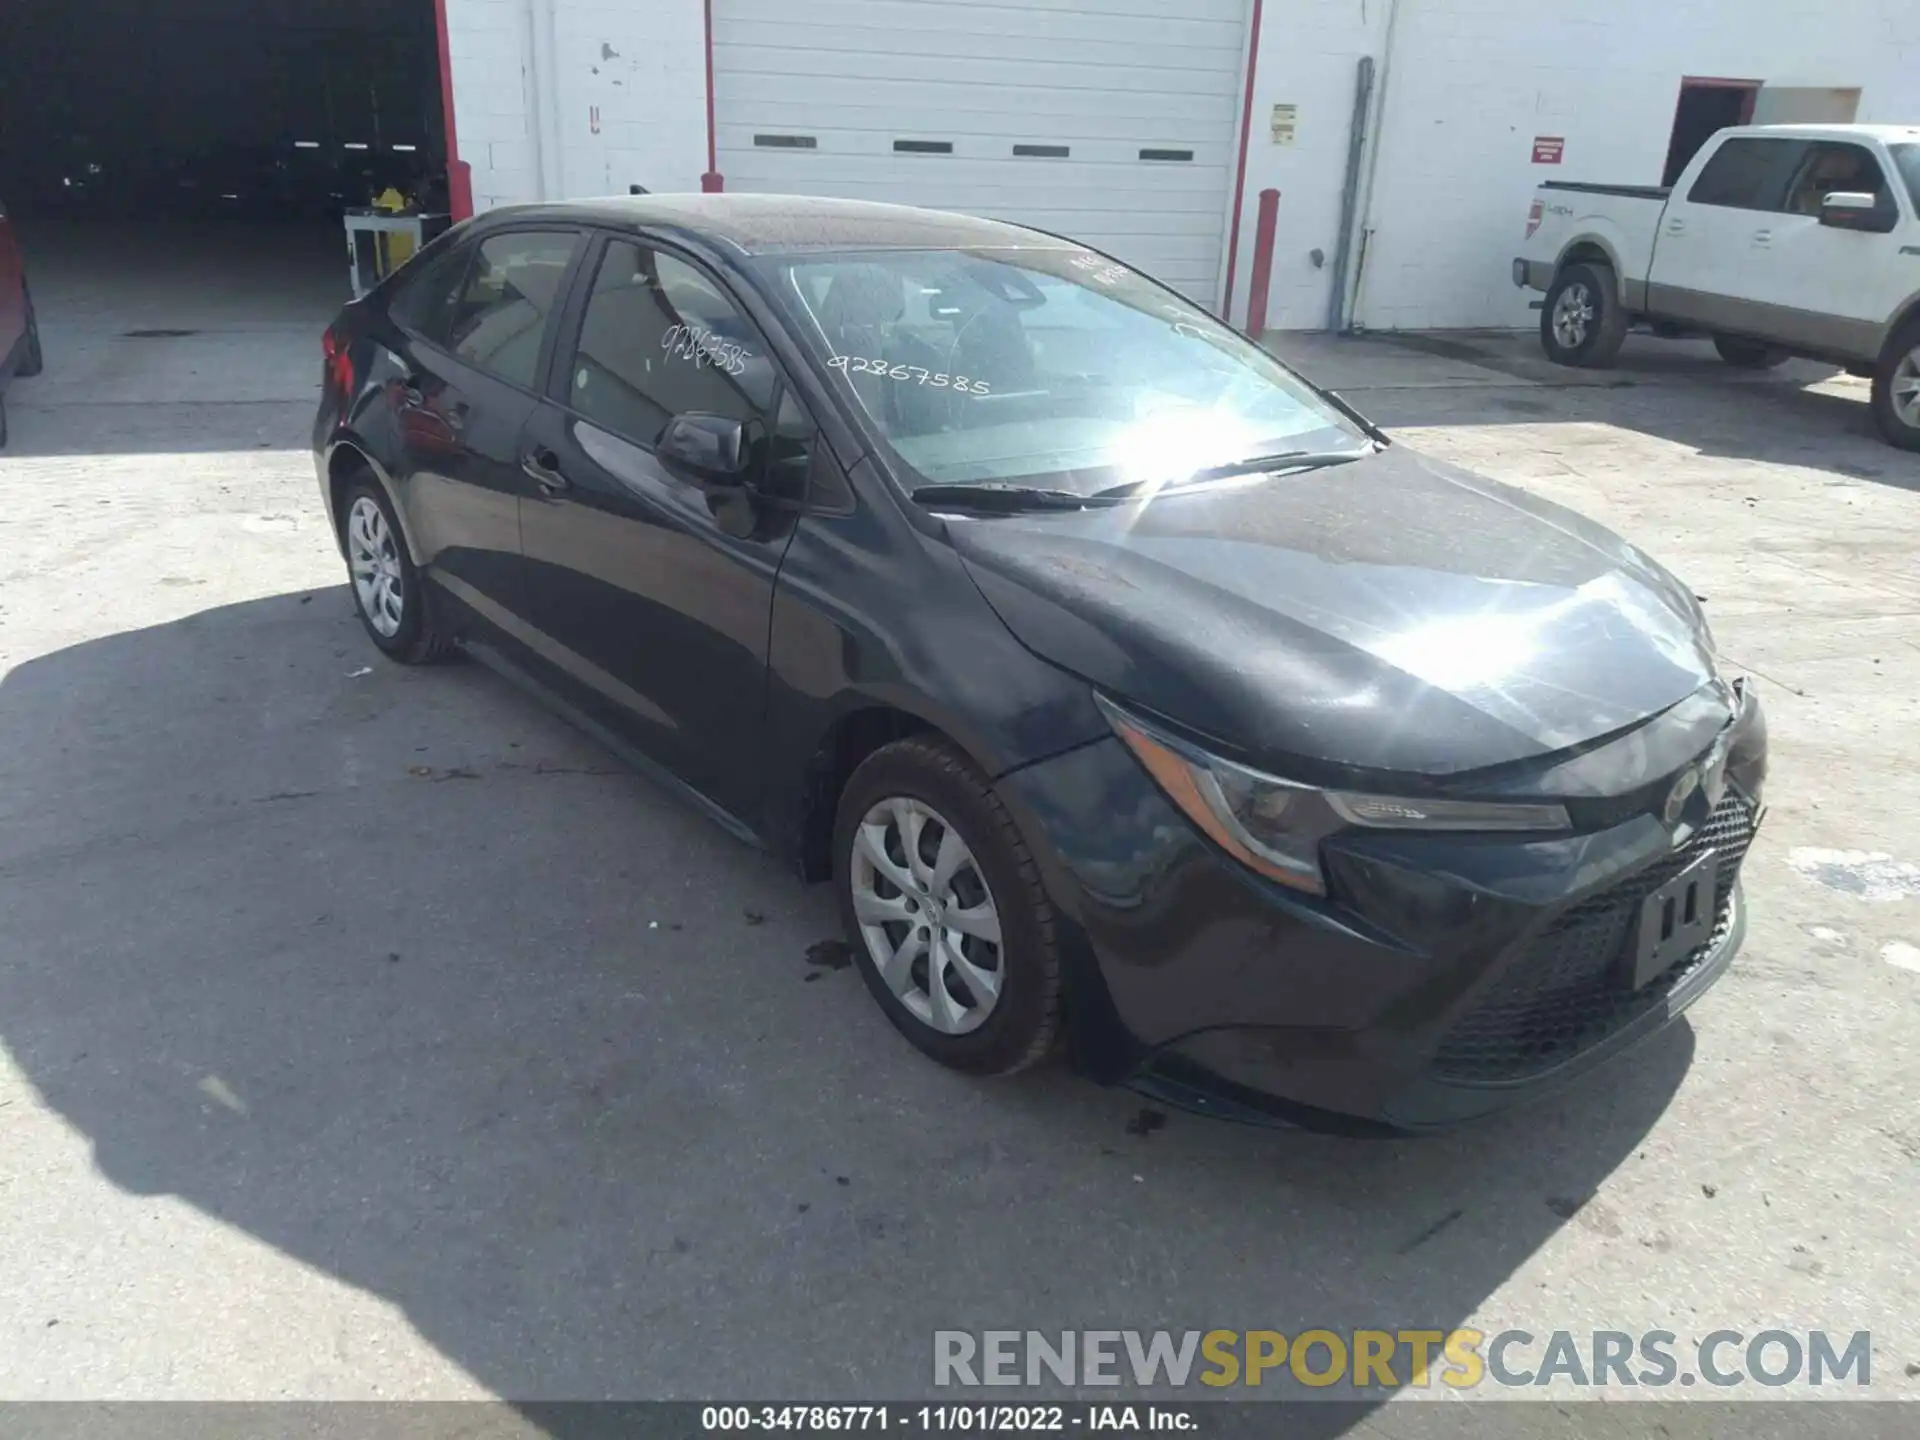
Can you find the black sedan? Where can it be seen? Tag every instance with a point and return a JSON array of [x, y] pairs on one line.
[[1134, 694]]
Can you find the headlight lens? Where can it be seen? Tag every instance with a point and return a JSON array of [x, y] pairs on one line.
[[1275, 826]]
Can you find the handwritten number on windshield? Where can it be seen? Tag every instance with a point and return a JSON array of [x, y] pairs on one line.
[[855, 365]]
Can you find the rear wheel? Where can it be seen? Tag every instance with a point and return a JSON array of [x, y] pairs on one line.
[[1896, 389], [387, 589], [32, 362], [1582, 322], [1747, 354], [943, 905]]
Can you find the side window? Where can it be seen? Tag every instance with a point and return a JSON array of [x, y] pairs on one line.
[[501, 312], [1747, 174], [424, 303], [659, 339], [1828, 168]]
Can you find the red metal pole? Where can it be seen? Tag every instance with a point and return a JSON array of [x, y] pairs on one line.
[[712, 182], [1240, 174], [459, 173], [1263, 233]]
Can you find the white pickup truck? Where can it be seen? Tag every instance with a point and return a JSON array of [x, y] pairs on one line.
[[1777, 240]]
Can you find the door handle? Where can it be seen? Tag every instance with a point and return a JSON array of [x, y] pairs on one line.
[[543, 468], [1763, 237], [1675, 226]]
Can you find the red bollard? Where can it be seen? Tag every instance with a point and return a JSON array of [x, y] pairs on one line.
[[1262, 277]]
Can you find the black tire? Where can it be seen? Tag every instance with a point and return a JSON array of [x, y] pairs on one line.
[[418, 638], [1023, 1026], [32, 361], [1898, 367], [1591, 342], [1748, 354]]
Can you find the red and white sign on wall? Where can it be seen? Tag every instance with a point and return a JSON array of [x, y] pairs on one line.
[[1547, 149]]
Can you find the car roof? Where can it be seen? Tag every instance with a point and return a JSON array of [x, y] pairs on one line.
[[780, 224], [1888, 134]]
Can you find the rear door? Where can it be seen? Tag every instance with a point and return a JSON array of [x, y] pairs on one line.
[[1702, 258], [476, 339], [1825, 288], [651, 599]]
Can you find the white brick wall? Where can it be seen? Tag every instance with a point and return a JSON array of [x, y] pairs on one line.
[[1472, 82], [1469, 86], [640, 65]]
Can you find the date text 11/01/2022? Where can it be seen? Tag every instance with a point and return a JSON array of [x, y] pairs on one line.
[[948, 1419]]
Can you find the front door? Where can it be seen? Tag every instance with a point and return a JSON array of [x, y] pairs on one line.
[[1831, 289], [463, 382], [1701, 256], [649, 598]]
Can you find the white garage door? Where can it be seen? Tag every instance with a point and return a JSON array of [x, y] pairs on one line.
[[1111, 121]]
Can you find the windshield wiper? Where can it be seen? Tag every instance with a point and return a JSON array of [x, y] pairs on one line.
[[1254, 465], [1005, 499]]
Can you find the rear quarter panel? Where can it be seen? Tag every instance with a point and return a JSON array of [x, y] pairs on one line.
[[1621, 228]]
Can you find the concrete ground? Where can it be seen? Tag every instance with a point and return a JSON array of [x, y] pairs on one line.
[[365, 1032]]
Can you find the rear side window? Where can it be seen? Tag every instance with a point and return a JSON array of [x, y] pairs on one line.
[[1748, 174], [423, 304], [660, 339], [500, 316]]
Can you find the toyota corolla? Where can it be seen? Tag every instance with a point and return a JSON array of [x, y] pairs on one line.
[[1136, 696]]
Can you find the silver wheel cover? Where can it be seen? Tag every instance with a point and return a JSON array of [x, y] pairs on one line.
[[1573, 315], [1905, 389], [374, 560], [926, 915]]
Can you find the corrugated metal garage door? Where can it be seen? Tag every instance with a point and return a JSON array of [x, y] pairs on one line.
[[1108, 120]]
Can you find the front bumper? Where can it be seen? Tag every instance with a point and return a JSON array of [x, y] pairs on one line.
[[1443, 979]]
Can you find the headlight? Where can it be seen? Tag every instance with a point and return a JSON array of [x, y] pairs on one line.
[[1275, 826]]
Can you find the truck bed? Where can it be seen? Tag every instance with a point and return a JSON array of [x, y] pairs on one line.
[[1588, 187]]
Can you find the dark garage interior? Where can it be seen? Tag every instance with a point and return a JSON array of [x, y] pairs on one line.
[[221, 126]]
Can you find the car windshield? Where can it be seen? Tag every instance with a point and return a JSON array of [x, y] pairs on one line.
[[1048, 368], [1907, 158]]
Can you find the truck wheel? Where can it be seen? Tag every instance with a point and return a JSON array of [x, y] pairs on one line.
[[1747, 354], [1896, 389], [1582, 322]]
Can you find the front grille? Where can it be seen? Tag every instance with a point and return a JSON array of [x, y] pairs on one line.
[[1565, 993]]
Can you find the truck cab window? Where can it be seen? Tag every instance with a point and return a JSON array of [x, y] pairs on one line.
[[1748, 174]]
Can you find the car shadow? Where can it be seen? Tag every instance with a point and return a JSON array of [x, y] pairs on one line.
[[1803, 414], [402, 978]]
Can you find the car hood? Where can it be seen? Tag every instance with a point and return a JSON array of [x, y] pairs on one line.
[[1394, 613]]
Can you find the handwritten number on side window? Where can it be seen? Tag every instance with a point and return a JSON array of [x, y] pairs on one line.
[[703, 348]]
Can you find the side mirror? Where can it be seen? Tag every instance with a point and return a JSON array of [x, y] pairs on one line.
[[1857, 210], [711, 448]]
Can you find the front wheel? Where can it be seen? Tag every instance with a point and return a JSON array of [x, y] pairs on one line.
[[1748, 354], [942, 902], [1896, 389], [1582, 322]]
